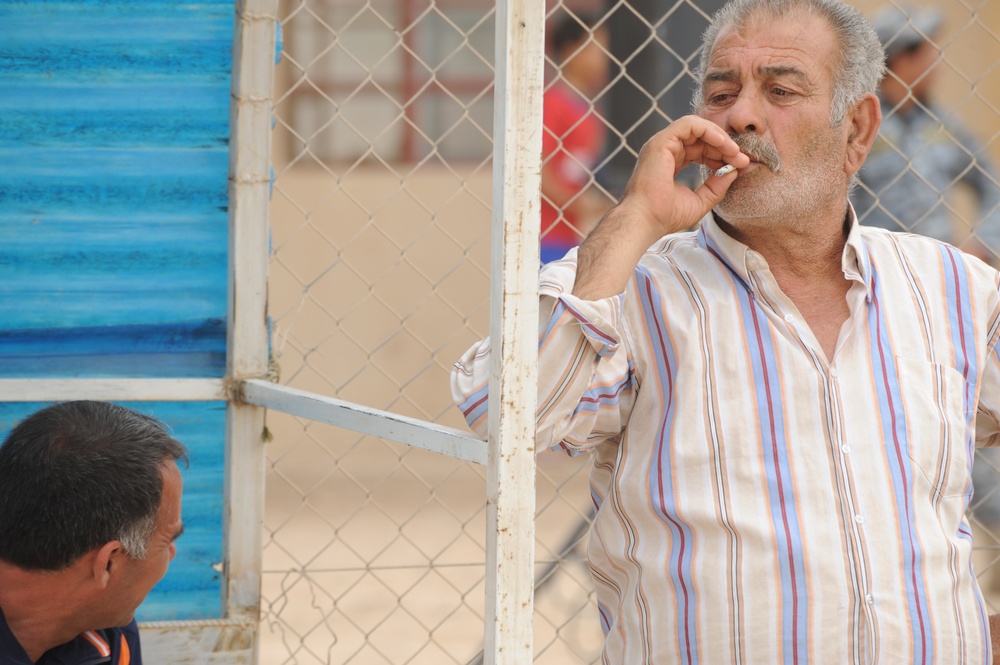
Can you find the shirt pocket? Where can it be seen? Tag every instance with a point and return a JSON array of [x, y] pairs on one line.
[[938, 425]]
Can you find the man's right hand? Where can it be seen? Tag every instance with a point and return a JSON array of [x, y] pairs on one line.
[[655, 204]]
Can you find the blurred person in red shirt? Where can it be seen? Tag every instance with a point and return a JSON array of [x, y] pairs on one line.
[[574, 134]]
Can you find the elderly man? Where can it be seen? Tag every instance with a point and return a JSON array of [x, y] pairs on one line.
[[782, 404], [90, 507]]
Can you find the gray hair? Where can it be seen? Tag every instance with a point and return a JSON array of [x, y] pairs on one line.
[[77, 475], [862, 60], [135, 537]]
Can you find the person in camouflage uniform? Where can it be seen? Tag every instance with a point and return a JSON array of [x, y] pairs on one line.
[[922, 150]]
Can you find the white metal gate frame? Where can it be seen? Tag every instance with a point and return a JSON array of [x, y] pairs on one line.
[[509, 453]]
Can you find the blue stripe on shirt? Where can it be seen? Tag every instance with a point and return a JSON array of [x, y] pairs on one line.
[[661, 474], [784, 514], [897, 455]]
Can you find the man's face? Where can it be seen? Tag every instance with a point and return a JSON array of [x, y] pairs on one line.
[[774, 80], [139, 576]]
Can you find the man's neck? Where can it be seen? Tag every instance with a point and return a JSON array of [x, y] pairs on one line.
[[806, 261], [807, 249], [38, 608]]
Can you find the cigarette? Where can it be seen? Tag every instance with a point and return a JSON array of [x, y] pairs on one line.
[[725, 170]]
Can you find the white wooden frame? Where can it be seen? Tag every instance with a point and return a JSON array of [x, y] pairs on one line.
[[249, 205], [509, 452]]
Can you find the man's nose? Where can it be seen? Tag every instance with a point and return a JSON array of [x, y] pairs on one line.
[[747, 114]]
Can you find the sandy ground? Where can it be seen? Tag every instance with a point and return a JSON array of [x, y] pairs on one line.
[[375, 552]]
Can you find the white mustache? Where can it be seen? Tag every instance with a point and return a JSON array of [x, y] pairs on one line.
[[759, 149]]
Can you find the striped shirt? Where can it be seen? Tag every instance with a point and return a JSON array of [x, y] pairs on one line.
[[755, 502]]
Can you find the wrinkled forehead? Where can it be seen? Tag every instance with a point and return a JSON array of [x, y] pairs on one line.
[[795, 40], [756, 19]]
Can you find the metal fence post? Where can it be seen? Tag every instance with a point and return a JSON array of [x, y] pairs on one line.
[[514, 315], [249, 180]]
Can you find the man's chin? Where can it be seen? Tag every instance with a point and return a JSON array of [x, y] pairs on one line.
[[736, 206], [745, 214], [125, 621]]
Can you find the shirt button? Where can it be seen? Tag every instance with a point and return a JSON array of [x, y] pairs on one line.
[[860, 519], [870, 599], [789, 318], [833, 372], [846, 449]]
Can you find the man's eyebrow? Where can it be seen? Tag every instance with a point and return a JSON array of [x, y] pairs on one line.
[[721, 76], [177, 534], [764, 71], [783, 71]]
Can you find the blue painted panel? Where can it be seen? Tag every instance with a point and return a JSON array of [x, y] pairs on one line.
[[164, 113], [153, 351], [192, 587], [114, 128], [114, 180], [114, 133]]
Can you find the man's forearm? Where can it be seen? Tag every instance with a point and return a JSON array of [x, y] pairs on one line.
[[654, 204], [607, 258]]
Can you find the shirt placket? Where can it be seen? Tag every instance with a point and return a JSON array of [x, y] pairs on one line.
[[767, 295], [851, 513], [854, 524]]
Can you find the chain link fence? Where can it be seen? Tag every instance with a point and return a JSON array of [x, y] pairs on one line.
[[374, 552]]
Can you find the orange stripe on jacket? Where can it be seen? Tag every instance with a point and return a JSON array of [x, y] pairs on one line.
[[98, 642], [126, 656]]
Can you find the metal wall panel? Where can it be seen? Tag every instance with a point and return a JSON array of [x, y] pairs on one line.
[[114, 140]]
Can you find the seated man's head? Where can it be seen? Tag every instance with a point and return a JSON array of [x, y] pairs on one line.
[[94, 486], [793, 82]]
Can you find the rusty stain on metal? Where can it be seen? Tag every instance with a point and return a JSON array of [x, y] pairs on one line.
[[234, 639]]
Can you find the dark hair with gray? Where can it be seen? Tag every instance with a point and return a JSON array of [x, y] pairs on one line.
[[77, 475], [862, 60]]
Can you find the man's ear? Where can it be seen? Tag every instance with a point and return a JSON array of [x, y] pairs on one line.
[[107, 559], [863, 121]]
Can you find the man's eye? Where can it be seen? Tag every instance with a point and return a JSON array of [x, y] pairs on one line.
[[780, 92]]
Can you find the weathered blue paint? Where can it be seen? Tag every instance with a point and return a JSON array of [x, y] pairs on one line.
[[148, 351], [114, 132]]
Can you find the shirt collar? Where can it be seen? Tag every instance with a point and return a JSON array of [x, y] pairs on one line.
[[741, 260], [856, 263]]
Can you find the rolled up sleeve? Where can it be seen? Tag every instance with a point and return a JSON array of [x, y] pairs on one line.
[[585, 370]]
